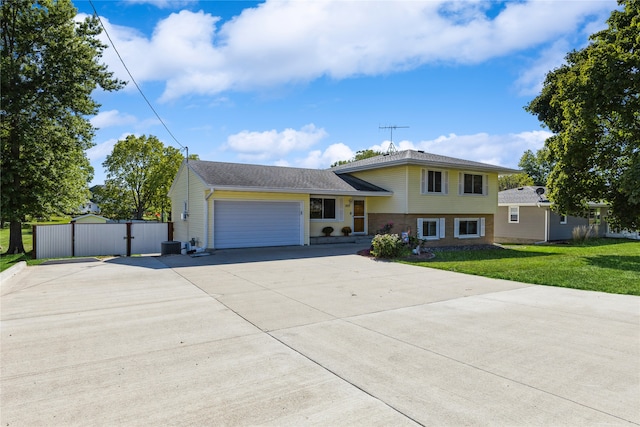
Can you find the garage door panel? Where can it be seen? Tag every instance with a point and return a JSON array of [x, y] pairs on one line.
[[256, 224]]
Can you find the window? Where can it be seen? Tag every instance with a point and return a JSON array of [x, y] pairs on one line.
[[465, 228], [563, 219], [430, 228], [594, 216], [473, 184], [435, 182], [514, 214], [322, 208]]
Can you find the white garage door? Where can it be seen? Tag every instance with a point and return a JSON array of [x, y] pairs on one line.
[[247, 224]]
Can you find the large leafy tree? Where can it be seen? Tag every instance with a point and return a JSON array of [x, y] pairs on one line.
[[140, 171], [592, 104], [360, 155], [507, 182], [536, 165], [50, 67]]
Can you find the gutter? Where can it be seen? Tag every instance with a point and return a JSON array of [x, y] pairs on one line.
[[303, 191]]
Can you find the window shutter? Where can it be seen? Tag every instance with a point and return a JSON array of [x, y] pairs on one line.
[[482, 226], [423, 181], [485, 185], [420, 221], [442, 228], [445, 182], [456, 227], [339, 209]]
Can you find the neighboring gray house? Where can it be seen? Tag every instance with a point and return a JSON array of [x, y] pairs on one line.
[[525, 216]]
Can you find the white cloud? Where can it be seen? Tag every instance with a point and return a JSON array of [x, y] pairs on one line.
[[261, 146], [503, 150], [163, 4], [286, 41], [532, 78], [110, 118], [103, 149], [318, 159]]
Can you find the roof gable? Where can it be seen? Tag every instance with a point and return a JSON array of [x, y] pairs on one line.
[[414, 157]]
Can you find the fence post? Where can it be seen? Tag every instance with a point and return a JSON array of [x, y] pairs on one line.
[[34, 241], [73, 238], [129, 237], [170, 231]]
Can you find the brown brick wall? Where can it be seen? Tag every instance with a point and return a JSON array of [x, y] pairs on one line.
[[405, 222]]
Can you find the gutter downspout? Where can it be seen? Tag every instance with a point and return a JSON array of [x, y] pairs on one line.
[[205, 244]]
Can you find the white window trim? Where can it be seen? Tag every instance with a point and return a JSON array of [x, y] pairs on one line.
[[563, 222], [456, 228], [440, 228], [517, 221], [485, 184], [424, 182], [339, 210]]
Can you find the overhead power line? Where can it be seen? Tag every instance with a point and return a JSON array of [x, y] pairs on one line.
[[95, 12]]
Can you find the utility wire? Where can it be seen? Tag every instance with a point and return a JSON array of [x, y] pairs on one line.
[[95, 12]]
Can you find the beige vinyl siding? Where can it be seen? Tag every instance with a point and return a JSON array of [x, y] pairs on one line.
[[344, 211], [248, 195], [530, 228], [193, 227], [405, 183], [393, 179], [452, 202]]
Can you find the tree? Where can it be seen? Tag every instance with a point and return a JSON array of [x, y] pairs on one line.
[[50, 66], [507, 182], [592, 105], [537, 166], [360, 155], [140, 171]]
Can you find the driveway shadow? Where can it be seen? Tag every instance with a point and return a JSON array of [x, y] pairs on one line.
[[239, 256]]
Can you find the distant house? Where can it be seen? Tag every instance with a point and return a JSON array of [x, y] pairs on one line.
[[89, 208], [90, 219], [443, 200], [525, 216]]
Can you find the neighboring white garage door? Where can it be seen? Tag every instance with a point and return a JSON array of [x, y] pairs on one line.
[[247, 224]]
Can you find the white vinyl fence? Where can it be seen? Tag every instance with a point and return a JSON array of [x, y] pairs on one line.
[[66, 240]]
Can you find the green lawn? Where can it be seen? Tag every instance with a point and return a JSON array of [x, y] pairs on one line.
[[605, 265], [7, 261]]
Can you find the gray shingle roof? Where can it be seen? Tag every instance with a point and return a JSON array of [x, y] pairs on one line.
[[273, 178], [522, 196], [419, 158]]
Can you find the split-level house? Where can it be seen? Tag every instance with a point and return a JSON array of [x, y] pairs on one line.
[[443, 200]]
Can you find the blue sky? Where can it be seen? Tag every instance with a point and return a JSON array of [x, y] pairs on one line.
[[306, 83]]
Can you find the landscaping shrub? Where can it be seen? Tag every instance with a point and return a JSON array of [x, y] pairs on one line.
[[387, 246], [583, 233]]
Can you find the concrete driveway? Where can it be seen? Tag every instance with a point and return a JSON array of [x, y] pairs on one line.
[[309, 336]]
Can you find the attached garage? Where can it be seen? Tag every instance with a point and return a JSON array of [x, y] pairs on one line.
[[247, 224]]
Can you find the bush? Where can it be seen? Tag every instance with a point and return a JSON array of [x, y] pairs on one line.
[[387, 246], [327, 231], [386, 229], [583, 233]]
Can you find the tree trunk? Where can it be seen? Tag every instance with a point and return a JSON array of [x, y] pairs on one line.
[[15, 238]]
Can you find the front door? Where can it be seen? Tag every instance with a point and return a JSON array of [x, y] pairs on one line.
[[358, 216]]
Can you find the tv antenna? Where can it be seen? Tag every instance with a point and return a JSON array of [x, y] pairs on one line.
[[392, 148]]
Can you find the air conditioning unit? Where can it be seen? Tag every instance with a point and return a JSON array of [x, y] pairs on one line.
[[184, 216]]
